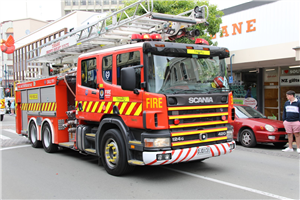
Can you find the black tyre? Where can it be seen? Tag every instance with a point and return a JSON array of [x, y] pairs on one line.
[[247, 138], [1, 117], [49, 147], [279, 144], [33, 136], [113, 153]]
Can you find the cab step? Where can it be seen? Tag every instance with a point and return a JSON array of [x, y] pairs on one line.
[[90, 151], [67, 144], [136, 162]]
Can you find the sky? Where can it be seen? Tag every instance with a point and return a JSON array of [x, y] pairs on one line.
[[51, 9]]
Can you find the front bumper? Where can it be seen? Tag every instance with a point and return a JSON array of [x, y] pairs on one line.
[[189, 154], [263, 136]]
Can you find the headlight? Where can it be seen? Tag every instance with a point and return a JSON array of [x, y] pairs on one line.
[[269, 128], [157, 142], [230, 134]]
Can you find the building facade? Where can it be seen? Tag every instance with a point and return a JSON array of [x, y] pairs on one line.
[[264, 40], [99, 6]]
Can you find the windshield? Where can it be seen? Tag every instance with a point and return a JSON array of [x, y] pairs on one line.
[[2, 93], [186, 75], [247, 112]]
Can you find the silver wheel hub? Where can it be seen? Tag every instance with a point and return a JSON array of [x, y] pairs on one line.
[[33, 134], [46, 137], [246, 138], [111, 153]]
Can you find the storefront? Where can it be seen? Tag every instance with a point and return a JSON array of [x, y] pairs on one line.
[[263, 47]]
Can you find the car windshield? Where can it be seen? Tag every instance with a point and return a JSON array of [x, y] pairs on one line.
[[186, 75], [247, 112]]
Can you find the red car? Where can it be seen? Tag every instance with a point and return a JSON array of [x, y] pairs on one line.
[[251, 126]]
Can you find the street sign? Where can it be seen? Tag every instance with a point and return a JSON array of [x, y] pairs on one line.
[[7, 90], [230, 79]]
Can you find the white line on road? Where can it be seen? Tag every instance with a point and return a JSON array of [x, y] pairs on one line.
[[230, 184], [2, 137], [10, 130], [16, 147], [5, 124]]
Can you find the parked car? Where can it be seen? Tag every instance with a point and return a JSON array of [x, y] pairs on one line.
[[251, 126], [6, 103]]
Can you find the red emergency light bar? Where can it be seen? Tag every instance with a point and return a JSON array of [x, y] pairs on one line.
[[146, 37], [201, 41]]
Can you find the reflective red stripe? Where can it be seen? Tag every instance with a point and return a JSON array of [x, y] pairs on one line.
[[152, 162], [218, 149], [212, 152], [194, 154], [178, 156], [223, 148], [186, 154]]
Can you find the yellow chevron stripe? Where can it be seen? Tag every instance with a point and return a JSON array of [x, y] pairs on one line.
[[116, 104], [130, 108], [76, 102], [83, 107], [49, 106], [138, 111], [107, 107], [95, 106], [31, 105], [100, 108], [122, 108], [43, 105], [89, 106], [198, 124], [55, 107], [52, 108]]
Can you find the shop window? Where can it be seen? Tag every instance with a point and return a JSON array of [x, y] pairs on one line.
[[105, 2], [89, 73], [114, 1], [67, 2], [90, 2], [75, 2], [107, 69], [98, 2], [83, 2], [128, 60]]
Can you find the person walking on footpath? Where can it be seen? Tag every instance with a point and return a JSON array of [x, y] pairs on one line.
[[291, 120], [12, 107], [9, 104]]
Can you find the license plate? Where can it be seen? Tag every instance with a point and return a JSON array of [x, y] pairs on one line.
[[286, 136], [203, 150]]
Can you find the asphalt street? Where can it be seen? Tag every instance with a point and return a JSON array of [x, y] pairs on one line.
[[263, 172]]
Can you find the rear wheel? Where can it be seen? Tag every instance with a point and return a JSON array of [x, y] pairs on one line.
[[113, 153], [279, 144], [49, 147], [247, 138], [33, 136]]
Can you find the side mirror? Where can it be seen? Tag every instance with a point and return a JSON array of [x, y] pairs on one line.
[[128, 79]]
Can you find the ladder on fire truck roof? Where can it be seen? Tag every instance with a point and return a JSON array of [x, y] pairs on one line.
[[99, 35]]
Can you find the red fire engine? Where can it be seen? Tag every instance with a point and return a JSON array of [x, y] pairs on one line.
[[146, 103]]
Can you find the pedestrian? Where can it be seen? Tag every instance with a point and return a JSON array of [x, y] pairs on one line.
[[9, 104], [12, 107], [291, 120]]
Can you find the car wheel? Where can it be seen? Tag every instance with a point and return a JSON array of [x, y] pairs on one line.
[[2, 117], [33, 136], [279, 144], [113, 153], [49, 147], [247, 138]]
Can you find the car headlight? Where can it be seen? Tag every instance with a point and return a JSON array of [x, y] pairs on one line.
[[157, 142], [269, 128]]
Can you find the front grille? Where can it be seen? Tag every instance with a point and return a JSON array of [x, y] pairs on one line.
[[198, 125]]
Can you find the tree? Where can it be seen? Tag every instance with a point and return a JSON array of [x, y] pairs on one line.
[[179, 6]]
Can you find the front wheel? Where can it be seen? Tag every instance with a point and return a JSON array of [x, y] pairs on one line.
[[248, 138], [113, 153], [49, 147]]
